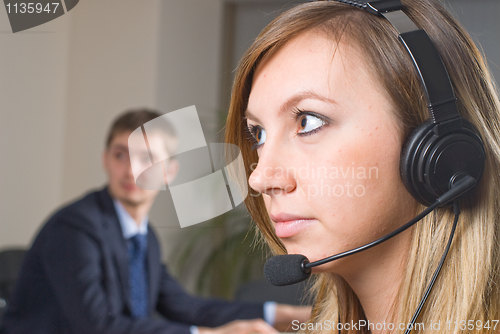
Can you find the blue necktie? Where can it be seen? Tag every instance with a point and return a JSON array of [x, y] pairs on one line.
[[137, 249]]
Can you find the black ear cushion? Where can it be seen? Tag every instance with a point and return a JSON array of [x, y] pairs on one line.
[[409, 160], [431, 160]]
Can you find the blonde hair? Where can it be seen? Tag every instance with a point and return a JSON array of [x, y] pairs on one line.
[[467, 287]]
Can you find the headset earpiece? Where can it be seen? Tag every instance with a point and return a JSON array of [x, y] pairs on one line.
[[436, 155]]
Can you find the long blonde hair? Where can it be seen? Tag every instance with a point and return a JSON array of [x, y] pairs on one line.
[[467, 287]]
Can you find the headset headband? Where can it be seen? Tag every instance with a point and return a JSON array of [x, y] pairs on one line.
[[432, 72]]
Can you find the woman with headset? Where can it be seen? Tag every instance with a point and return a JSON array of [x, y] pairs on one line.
[[349, 128]]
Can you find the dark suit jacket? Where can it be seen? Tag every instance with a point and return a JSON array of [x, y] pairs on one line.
[[75, 281]]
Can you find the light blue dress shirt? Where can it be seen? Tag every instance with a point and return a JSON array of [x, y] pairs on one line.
[[128, 224], [130, 228]]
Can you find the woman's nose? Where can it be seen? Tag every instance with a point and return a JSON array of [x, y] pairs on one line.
[[271, 175]]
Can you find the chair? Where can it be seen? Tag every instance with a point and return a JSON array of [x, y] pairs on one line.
[[10, 264]]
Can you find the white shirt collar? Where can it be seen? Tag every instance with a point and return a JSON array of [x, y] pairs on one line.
[[128, 224]]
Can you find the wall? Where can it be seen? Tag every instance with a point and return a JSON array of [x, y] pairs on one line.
[[34, 69], [480, 18]]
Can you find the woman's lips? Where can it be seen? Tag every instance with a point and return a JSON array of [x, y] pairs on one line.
[[289, 228]]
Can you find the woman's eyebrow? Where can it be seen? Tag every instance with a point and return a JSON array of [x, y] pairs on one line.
[[248, 115], [292, 102], [296, 98]]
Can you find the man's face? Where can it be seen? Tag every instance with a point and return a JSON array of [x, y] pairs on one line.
[[121, 181]]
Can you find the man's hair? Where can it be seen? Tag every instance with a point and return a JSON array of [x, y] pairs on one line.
[[132, 119]]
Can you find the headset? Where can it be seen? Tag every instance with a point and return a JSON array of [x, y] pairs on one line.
[[446, 147]]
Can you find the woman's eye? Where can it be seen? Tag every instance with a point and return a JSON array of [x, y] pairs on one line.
[[257, 135], [260, 136], [308, 123]]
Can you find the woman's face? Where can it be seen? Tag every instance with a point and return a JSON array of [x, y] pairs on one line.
[[329, 148]]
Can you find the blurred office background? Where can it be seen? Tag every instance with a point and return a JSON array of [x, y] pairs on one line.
[[62, 83]]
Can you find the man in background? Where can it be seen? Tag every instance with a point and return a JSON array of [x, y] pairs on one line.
[[95, 265]]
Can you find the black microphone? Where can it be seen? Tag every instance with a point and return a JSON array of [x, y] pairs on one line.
[[289, 269]]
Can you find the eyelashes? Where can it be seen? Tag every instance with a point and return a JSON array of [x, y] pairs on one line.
[[308, 123], [256, 134]]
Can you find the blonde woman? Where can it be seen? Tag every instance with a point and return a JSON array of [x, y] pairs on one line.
[[322, 105]]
